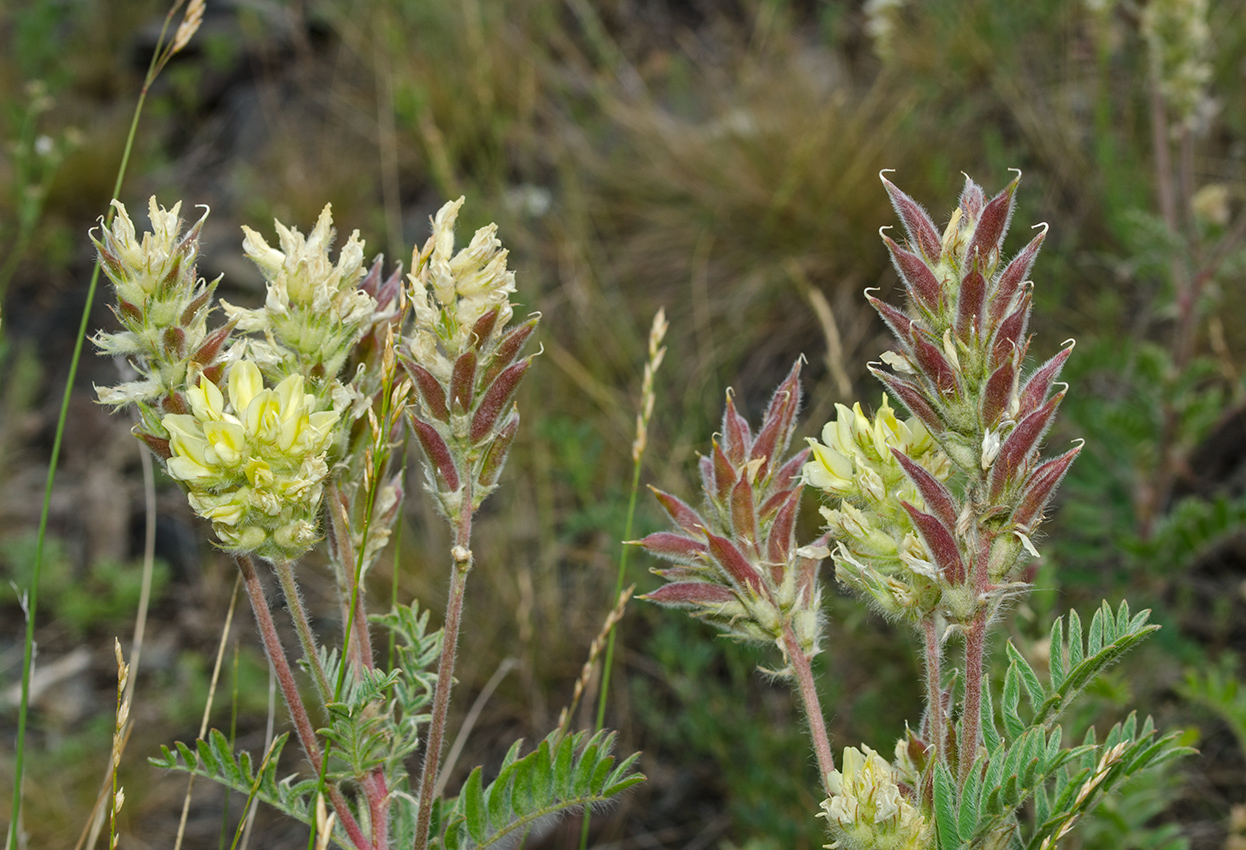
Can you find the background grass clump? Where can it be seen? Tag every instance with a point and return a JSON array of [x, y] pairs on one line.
[[717, 159]]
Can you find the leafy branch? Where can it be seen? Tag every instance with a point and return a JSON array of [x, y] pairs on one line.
[[561, 775]]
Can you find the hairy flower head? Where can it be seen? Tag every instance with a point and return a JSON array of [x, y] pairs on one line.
[[254, 466], [879, 552], [151, 267], [450, 292], [315, 310], [854, 459], [162, 307], [867, 809]]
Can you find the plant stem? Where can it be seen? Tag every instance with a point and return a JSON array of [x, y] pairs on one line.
[[618, 589], [799, 662], [934, 688], [159, 56], [307, 638], [290, 690], [358, 644], [32, 597], [462, 554], [377, 792], [971, 714]]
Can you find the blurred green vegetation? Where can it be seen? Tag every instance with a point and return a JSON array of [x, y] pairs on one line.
[[719, 159]]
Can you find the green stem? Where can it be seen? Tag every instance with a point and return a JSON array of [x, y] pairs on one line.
[[462, 554], [302, 626], [290, 690], [608, 663], [618, 589], [32, 598]]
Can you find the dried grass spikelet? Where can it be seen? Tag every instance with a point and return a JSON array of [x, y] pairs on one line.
[[594, 652], [118, 743], [192, 19], [657, 352]]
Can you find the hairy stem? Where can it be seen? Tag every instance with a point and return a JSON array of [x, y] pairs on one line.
[[358, 647], [290, 690], [799, 662], [971, 713], [307, 638], [934, 686], [462, 554], [377, 792]]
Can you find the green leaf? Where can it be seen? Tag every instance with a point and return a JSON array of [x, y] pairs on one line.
[[1084, 667], [1013, 726], [1094, 641], [967, 814], [990, 734], [214, 759], [1075, 640], [581, 773], [945, 808], [582, 781], [474, 806], [1034, 689], [1055, 645], [563, 764]]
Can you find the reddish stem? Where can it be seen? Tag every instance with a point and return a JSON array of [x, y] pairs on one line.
[[799, 662], [971, 713], [377, 792], [462, 554], [289, 689]]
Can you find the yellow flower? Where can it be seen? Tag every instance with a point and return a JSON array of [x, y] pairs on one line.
[[450, 292], [866, 807], [854, 459], [878, 552], [314, 311], [255, 467]]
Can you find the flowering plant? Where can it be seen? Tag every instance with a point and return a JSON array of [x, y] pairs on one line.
[[932, 520], [263, 463]]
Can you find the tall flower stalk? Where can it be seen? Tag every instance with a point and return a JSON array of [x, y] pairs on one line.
[[466, 365]]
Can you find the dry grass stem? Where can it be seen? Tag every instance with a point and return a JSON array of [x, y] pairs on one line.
[[594, 651], [118, 744], [835, 360], [207, 708]]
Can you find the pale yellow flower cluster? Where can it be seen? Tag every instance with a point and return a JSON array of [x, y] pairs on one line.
[[314, 307], [854, 459], [854, 463], [878, 550], [149, 263], [867, 809], [451, 292], [256, 466]]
